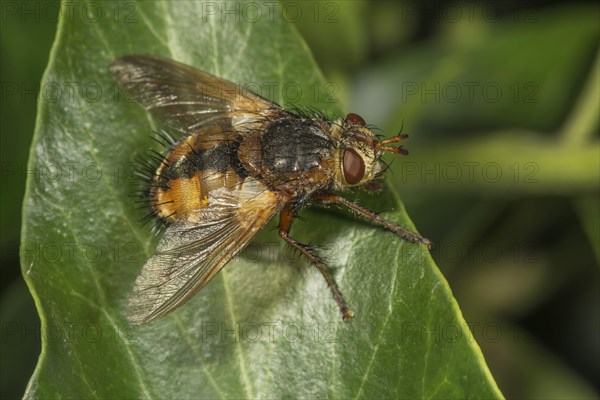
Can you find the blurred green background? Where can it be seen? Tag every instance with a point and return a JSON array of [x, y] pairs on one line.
[[501, 102]]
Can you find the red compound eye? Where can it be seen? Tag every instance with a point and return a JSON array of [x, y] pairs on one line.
[[354, 167], [355, 119]]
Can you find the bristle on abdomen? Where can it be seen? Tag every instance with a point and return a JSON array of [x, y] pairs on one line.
[[145, 168]]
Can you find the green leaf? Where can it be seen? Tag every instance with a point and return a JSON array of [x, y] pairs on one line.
[[266, 326]]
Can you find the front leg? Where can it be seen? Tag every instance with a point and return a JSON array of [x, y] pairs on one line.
[[285, 224], [330, 198]]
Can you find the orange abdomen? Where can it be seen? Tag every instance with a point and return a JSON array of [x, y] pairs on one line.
[[183, 182]]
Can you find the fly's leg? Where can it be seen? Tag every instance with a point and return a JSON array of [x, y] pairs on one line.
[[329, 198], [285, 224]]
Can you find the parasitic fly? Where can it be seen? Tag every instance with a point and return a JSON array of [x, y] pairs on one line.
[[240, 161]]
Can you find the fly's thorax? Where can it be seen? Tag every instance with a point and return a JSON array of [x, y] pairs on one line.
[[291, 154], [356, 160], [292, 145]]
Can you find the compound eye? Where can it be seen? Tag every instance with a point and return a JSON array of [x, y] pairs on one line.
[[355, 119], [354, 167]]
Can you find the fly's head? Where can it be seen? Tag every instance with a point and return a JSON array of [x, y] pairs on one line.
[[357, 159]]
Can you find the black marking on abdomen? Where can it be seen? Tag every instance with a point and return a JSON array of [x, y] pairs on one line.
[[218, 158]]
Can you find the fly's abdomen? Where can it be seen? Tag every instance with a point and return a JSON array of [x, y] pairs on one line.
[[183, 182]]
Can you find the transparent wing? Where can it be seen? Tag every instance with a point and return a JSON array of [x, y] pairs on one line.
[[185, 98], [191, 252]]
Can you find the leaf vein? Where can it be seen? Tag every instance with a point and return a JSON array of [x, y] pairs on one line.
[[383, 328], [242, 359]]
